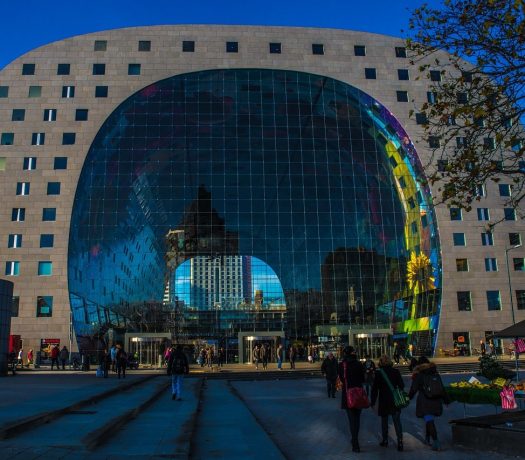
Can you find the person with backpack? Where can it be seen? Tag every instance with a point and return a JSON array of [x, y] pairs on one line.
[[386, 379], [370, 370], [177, 367], [431, 395]]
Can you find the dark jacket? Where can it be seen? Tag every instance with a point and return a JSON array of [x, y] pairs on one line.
[[355, 376], [330, 368], [370, 369], [177, 354], [424, 405], [386, 404]]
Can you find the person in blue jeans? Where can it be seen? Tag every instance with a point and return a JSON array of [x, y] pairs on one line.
[[280, 357], [177, 367]]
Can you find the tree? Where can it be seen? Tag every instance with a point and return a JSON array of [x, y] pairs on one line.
[[474, 112]]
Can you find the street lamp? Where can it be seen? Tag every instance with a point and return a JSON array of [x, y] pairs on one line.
[[512, 302]]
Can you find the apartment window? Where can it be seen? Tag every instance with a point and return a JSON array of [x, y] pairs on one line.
[[12, 268], [402, 74], [99, 69], [431, 97], [144, 45], [60, 163], [22, 188], [514, 239], [232, 47], [451, 121], [483, 214], [28, 69], [14, 241], [467, 76], [462, 98], [101, 91], [435, 75], [18, 215], [18, 115], [519, 264], [188, 46], [487, 239], [489, 143], [38, 138], [44, 306], [401, 52], [370, 73], [50, 114], [493, 300], [68, 138], [35, 91], [133, 69], [53, 188], [7, 138], [421, 119], [479, 190], [49, 214], [15, 306], [47, 240], [504, 189], [464, 301], [480, 122], [442, 165], [459, 239], [100, 45], [63, 69], [359, 50], [29, 164], [81, 114], [456, 214], [509, 213], [402, 96], [434, 142], [275, 48], [491, 264], [45, 268], [462, 265], [520, 299], [317, 48], [68, 92], [461, 142], [4, 91]]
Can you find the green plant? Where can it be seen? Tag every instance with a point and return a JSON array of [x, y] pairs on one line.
[[490, 368]]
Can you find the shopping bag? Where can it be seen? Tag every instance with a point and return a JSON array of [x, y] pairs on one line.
[[401, 399], [356, 398], [508, 401], [338, 384], [520, 345]]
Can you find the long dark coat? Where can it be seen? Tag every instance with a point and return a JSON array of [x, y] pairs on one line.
[[355, 376], [424, 405], [330, 368], [380, 388]]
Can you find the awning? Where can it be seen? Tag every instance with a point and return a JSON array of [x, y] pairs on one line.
[[512, 332]]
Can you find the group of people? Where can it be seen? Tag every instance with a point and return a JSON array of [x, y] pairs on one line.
[[380, 383], [206, 357], [116, 359]]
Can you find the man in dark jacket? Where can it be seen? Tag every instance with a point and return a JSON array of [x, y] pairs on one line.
[[330, 370], [352, 374], [177, 367], [386, 404]]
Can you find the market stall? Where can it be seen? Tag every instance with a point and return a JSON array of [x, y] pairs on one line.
[[515, 332]]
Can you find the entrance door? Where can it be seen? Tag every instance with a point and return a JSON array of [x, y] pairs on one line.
[[373, 345]]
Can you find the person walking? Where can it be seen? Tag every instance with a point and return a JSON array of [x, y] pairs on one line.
[[122, 360], [395, 353], [113, 356], [64, 356], [264, 356], [431, 395], [177, 367], [292, 356], [482, 348], [352, 374], [20, 358], [257, 356], [280, 357], [329, 368], [370, 369], [220, 357], [54, 357], [30, 357], [381, 392]]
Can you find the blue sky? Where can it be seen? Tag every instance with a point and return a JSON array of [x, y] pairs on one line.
[[27, 24]]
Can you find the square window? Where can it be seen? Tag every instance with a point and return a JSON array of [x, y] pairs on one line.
[[4, 91], [68, 138], [359, 50], [188, 46], [275, 48], [28, 69], [50, 114], [23, 188], [487, 239], [462, 98], [467, 76], [491, 264], [459, 239], [483, 214], [144, 45], [14, 241], [509, 213], [44, 306], [18, 115], [514, 239], [232, 47], [35, 91], [317, 48], [461, 142], [7, 138], [370, 73], [421, 119], [504, 190], [63, 69], [435, 75], [455, 214], [464, 301], [45, 268], [81, 114], [402, 74], [462, 265], [53, 188], [401, 52], [489, 143], [29, 164], [519, 264], [47, 240], [38, 138], [402, 96], [101, 91], [442, 165], [99, 69], [49, 214], [434, 142], [133, 69], [493, 300], [520, 299], [479, 190], [12, 268], [100, 45], [60, 163], [68, 92], [18, 215], [431, 97]]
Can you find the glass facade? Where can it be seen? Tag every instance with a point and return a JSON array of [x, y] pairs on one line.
[[297, 199]]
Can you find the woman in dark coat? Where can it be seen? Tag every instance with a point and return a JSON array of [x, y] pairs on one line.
[[428, 408], [354, 377], [386, 404]]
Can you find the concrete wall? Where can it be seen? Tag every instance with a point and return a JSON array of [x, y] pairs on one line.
[[6, 300]]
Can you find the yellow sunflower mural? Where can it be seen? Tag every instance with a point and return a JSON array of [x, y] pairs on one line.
[[419, 276]]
